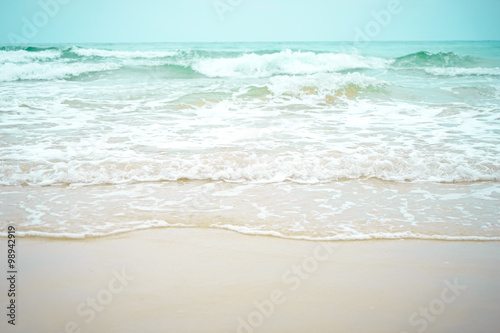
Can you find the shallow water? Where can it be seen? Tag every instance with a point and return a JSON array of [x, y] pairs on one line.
[[301, 140]]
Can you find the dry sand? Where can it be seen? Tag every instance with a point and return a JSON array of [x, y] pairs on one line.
[[207, 280]]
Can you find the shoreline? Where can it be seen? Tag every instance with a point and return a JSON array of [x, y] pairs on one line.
[[270, 234], [212, 280], [369, 209]]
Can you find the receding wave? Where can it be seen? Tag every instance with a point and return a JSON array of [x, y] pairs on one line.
[[255, 232], [356, 236]]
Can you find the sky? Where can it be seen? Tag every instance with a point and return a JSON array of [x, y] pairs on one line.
[[94, 21]]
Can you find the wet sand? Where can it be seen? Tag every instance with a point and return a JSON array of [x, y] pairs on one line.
[[208, 280]]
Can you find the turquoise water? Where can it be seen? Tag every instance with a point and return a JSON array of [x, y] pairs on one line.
[[301, 140]]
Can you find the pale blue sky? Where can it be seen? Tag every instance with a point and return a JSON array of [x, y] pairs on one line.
[[78, 21]]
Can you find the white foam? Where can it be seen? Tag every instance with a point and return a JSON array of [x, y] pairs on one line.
[[258, 232], [49, 71], [284, 62], [23, 56], [91, 234], [460, 71], [320, 84], [240, 166], [355, 237], [122, 54]]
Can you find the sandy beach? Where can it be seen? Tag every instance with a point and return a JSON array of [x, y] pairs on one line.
[[232, 166], [207, 280]]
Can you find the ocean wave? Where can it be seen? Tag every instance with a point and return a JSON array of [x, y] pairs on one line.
[[24, 56], [29, 65], [227, 64], [27, 54], [284, 62], [428, 59], [49, 71], [27, 48], [239, 166]]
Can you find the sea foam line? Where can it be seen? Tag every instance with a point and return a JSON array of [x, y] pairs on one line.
[[255, 232]]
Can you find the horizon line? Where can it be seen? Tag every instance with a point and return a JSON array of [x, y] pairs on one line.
[[281, 41]]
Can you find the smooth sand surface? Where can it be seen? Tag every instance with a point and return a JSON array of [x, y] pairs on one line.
[[207, 280]]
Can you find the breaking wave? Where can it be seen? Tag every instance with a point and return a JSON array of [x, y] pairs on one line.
[[313, 167], [37, 63]]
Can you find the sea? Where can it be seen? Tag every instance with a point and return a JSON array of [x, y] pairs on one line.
[[306, 140]]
